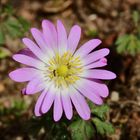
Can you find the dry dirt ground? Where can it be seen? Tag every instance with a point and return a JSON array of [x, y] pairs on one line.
[[106, 19]]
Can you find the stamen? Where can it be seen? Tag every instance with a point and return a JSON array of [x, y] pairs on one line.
[[63, 70]]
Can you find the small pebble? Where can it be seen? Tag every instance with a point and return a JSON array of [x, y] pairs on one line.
[[114, 96]]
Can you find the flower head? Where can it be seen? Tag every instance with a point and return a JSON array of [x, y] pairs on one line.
[[65, 75]]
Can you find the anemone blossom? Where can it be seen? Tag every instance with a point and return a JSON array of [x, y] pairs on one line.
[[64, 74]]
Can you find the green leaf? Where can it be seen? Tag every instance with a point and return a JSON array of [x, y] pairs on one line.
[[4, 53], [121, 39], [25, 24], [122, 43], [92, 33], [16, 27], [8, 9], [99, 111], [81, 130], [2, 37], [12, 28], [103, 127], [127, 44], [132, 46], [135, 17], [138, 45]]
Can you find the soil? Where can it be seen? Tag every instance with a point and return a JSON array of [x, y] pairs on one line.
[[104, 19]]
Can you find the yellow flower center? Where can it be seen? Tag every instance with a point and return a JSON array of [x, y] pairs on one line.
[[64, 69]]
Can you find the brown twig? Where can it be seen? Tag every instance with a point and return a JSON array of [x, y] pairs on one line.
[[58, 9]]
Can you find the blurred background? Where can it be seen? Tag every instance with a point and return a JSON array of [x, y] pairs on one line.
[[117, 24]]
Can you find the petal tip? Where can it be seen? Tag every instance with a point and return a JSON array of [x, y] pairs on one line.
[[114, 76], [44, 22], [33, 30], [14, 57], [69, 117], [107, 51], [97, 41], [37, 114], [86, 117], [56, 119], [99, 103], [11, 75], [24, 40]]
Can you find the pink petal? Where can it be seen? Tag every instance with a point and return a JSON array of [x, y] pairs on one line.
[[98, 74], [95, 87], [92, 95], [66, 104], [62, 37], [102, 62], [23, 91], [87, 48], [26, 51], [96, 55], [35, 49], [101, 88], [80, 104], [73, 38], [49, 33], [27, 60], [39, 102], [23, 74], [48, 101], [58, 110], [38, 36], [35, 85]]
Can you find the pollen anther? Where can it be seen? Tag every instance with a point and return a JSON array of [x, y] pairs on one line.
[[64, 70]]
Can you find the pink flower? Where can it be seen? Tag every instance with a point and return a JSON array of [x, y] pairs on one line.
[[65, 75]]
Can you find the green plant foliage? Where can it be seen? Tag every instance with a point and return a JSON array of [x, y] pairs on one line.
[[2, 37], [92, 33], [4, 52], [15, 27], [136, 18], [81, 130], [16, 109], [11, 25], [8, 9], [100, 111], [128, 44], [103, 127], [52, 130], [76, 129]]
